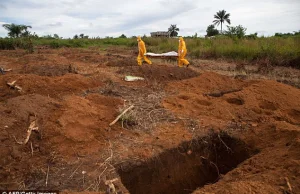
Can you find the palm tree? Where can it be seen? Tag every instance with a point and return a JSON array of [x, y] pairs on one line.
[[173, 30], [16, 31], [221, 17]]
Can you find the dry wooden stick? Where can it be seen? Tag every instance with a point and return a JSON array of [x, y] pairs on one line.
[[47, 176], [32, 127], [2, 70], [118, 117], [289, 185], [31, 148], [12, 85], [75, 171], [102, 172]]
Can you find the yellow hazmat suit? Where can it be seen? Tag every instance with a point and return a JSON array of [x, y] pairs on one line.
[[142, 52], [181, 53]]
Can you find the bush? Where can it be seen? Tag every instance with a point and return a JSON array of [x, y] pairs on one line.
[[55, 44], [7, 44], [13, 43]]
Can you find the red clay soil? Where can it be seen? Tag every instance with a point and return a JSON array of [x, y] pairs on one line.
[[76, 93], [255, 101], [159, 72], [268, 112]]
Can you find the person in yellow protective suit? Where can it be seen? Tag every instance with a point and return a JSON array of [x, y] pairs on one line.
[[142, 52], [181, 53]]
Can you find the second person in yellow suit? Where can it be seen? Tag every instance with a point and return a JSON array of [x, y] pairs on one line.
[[181, 53], [142, 52]]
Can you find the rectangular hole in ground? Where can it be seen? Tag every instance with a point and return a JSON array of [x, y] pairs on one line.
[[183, 169]]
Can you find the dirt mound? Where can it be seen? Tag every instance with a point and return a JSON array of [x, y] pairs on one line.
[[65, 128], [35, 58], [85, 118], [159, 73], [123, 62], [14, 125], [252, 101], [209, 83], [48, 86], [48, 70], [35, 104], [21, 107], [93, 57], [38, 59]]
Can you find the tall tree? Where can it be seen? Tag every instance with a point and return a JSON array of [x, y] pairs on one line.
[[55, 36], [238, 31], [221, 17], [123, 36], [211, 31], [173, 30], [15, 31]]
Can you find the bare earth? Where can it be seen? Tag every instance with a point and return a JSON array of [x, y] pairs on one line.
[[215, 127]]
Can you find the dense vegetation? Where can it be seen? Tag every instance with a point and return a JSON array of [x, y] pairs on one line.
[[278, 50]]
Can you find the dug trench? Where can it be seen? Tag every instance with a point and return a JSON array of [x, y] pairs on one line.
[[187, 167]]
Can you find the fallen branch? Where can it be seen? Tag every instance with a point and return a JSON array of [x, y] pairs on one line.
[[118, 117], [14, 86], [2, 70], [32, 127], [288, 184]]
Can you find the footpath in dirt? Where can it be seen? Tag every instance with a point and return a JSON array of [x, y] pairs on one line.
[[190, 130]]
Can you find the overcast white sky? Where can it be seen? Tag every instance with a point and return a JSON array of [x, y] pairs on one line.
[[138, 17]]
